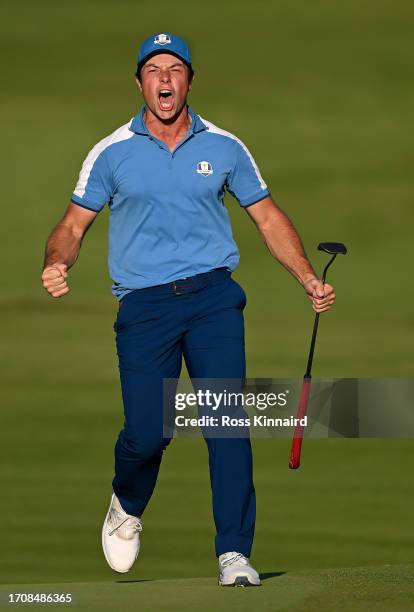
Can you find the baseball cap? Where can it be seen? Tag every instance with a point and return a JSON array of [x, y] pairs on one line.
[[164, 42]]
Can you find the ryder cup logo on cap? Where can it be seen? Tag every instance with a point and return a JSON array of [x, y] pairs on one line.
[[162, 39], [204, 168], [164, 42]]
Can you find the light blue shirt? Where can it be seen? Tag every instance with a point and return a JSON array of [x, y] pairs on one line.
[[167, 214]]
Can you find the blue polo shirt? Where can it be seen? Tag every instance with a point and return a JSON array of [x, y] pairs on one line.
[[167, 214]]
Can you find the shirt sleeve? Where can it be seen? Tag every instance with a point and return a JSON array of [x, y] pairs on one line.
[[94, 187], [245, 182]]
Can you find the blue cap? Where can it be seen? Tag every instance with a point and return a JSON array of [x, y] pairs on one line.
[[164, 43]]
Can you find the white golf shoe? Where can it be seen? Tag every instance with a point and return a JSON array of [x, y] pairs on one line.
[[235, 570], [120, 537]]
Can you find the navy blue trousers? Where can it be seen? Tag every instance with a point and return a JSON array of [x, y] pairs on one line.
[[200, 319]]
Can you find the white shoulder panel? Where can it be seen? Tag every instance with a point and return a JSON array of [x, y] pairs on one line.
[[213, 129], [122, 133]]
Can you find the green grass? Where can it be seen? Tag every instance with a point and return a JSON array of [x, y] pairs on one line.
[[384, 587], [322, 94], [347, 506]]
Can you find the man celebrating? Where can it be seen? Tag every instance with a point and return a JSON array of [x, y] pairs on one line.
[[171, 253]]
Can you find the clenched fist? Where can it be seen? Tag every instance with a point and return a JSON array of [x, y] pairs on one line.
[[55, 280], [321, 295]]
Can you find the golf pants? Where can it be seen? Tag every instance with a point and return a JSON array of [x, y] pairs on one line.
[[201, 319]]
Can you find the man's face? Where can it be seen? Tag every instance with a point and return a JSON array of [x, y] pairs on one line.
[[165, 85]]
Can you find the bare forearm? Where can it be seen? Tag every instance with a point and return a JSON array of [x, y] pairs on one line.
[[285, 245], [63, 246]]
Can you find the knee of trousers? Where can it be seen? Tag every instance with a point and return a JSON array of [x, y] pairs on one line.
[[140, 448]]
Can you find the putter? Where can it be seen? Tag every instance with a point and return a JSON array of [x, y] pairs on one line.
[[334, 249]]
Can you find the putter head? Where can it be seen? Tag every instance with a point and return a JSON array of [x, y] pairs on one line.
[[333, 248]]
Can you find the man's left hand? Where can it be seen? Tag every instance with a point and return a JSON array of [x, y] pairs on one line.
[[321, 295]]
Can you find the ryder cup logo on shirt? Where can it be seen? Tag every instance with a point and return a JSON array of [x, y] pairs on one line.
[[204, 168], [162, 39]]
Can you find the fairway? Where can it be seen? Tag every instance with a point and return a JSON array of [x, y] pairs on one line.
[[322, 94], [359, 589]]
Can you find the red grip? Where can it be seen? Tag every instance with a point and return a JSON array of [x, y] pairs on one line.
[[294, 460]]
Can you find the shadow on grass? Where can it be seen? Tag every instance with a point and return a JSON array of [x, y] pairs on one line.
[[267, 575], [131, 581], [264, 576]]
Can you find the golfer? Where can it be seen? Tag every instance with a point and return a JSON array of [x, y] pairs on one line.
[[164, 175]]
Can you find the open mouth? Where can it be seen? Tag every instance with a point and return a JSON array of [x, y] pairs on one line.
[[166, 99]]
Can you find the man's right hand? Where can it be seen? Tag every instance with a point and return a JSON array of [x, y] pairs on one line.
[[55, 280]]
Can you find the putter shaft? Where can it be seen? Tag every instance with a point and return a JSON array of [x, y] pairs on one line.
[[295, 452]]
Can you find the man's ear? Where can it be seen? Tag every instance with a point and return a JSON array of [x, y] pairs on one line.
[[139, 84], [191, 83]]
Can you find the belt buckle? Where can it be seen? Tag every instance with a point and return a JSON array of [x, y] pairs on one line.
[[176, 289], [180, 290]]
